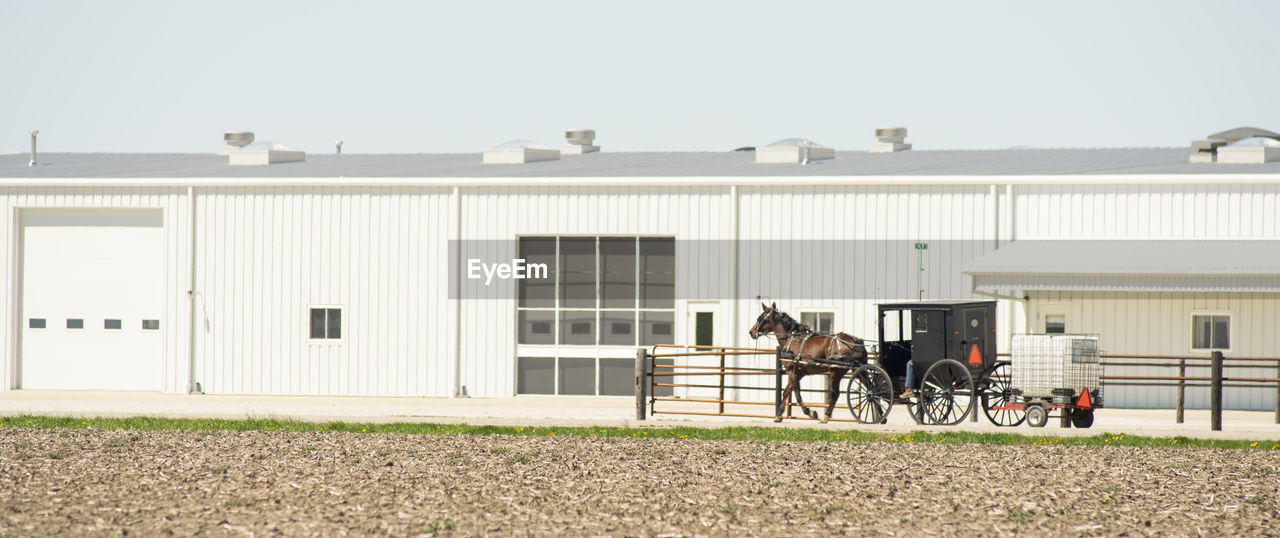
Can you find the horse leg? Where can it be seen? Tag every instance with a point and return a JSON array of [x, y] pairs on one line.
[[808, 412], [833, 392], [786, 397]]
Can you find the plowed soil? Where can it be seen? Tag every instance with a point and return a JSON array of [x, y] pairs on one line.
[[55, 482]]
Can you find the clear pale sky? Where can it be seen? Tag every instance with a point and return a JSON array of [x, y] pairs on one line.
[[409, 77]]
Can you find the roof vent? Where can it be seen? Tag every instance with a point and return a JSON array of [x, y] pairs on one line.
[[520, 151], [1208, 150], [261, 153], [235, 140], [793, 150], [891, 139], [579, 142], [1252, 150]]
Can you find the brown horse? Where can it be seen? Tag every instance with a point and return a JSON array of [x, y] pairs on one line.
[[805, 346]]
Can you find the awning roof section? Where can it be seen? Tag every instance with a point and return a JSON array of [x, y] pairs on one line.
[[1104, 265]]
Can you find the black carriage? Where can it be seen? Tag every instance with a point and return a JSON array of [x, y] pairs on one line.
[[953, 346]]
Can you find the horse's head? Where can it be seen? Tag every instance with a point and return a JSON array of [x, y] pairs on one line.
[[767, 323]]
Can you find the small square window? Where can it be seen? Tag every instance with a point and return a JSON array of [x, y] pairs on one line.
[[35, 323], [1211, 331], [818, 321], [1055, 324], [326, 323], [540, 327], [113, 324], [75, 323], [150, 324]]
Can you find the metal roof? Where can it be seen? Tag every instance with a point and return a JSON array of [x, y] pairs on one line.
[[974, 163], [1116, 265]]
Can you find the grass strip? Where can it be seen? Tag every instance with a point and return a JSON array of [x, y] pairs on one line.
[[733, 433]]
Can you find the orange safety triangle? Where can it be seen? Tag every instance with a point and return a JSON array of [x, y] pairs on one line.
[[1084, 402], [974, 356]]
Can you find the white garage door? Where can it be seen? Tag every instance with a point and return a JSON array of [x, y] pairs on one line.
[[92, 295]]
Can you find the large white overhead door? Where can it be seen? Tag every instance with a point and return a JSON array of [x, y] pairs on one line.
[[92, 298]]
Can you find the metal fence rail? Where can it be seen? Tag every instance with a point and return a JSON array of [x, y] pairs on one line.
[[656, 368]]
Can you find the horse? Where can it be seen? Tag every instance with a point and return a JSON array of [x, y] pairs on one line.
[[805, 345]]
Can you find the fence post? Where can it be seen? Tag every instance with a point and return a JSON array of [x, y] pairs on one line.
[[1215, 393], [777, 385], [721, 381], [642, 381], [1182, 388]]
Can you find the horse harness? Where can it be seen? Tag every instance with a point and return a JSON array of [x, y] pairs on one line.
[[857, 348]]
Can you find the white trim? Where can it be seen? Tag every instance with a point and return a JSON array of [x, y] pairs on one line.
[[1191, 334], [650, 181]]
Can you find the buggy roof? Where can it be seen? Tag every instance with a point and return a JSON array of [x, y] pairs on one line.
[[933, 305]]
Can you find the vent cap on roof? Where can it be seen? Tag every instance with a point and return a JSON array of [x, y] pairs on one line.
[[793, 150], [1207, 150], [520, 151], [1252, 150], [579, 142], [234, 140], [265, 152], [890, 139]]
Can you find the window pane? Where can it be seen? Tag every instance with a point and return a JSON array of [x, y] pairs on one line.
[[537, 327], [75, 323], [335, 323], [111, 324], [1221, 332], [538, 292], [1200, 327], [578, 272], [618, 281], [617, 377], [36, 323], [535, 375], [1055, 324], [578, 328], [657, 367], [657, 272], [317, 323], [577, 375], [619, 328], [657, 328], [150, 324], [818, 321]]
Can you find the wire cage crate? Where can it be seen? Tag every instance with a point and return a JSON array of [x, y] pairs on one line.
[[1055, 365]]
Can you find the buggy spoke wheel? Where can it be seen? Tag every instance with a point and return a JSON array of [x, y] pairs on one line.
[[870, 394], [999, 394], [946, 393]]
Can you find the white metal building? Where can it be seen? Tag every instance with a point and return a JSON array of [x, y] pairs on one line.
[[341, 274]]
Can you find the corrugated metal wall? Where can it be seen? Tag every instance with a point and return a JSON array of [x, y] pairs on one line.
[[1160, 324], [174, 326], [266, 254]]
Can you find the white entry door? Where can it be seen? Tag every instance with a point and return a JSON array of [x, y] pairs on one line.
[[92, 298]]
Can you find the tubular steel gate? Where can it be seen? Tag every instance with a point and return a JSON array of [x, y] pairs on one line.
[[666, 367]]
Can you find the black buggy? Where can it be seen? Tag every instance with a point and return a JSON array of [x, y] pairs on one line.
[[953, 344]]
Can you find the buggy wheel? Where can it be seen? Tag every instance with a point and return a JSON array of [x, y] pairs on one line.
[[946, 393], [1037, 415], [870, 394], [998, 394], [1082, 418]]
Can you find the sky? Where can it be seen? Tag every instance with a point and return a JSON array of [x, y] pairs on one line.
[[443, 77]]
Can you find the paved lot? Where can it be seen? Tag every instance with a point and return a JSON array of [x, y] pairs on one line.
[[566, 411]]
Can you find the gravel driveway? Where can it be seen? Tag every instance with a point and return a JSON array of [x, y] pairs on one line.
[[237, 483]]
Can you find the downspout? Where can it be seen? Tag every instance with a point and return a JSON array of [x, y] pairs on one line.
[[733, 293], [193, 387], [458, 390]]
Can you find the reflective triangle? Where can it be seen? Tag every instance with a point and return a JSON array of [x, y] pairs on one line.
[[1084, 402], [974, 356]]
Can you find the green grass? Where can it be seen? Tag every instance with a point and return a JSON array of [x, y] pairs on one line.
[[736, 433]]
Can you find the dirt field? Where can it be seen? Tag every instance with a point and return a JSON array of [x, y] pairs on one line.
[[234, 483]]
